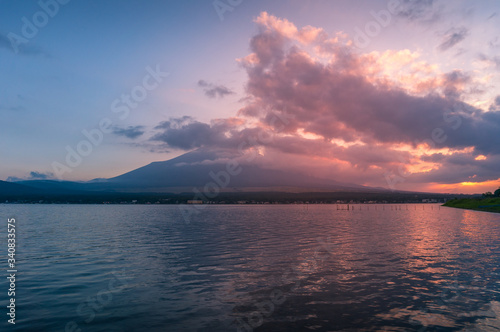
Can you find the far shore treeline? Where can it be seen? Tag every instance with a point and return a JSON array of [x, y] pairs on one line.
[[233, 198], [489, 202]]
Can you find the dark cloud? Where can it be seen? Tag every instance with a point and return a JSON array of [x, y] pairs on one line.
[[491, 60], [149, 146], [14, 179], [422, 11], [131, 132], [452, 37], [187, 136], [211, 90], [454, 82], [40, 176], [186, 133], [32, 176], [495, 107], [494, 43]]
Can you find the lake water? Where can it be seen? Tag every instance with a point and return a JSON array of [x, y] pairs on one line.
[[253, 267]]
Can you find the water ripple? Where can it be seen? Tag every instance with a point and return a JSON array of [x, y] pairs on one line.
[[265, 268]]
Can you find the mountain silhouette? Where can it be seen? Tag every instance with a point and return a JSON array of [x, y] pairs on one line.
[[195, 169]]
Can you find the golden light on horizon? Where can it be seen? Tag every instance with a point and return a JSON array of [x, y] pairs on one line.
[[468, 187], [469, 183]]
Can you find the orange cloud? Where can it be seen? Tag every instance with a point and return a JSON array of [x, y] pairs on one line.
[[467, 187], [352, 116]]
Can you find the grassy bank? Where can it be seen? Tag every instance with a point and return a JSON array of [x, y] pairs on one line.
[[479, 204]]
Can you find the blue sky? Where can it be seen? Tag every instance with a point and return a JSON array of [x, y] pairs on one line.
[[64, 78]]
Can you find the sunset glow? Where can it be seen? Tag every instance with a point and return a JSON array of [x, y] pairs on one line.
[[417, 102], [250, 165]]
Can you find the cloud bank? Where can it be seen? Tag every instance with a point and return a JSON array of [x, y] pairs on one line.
[[358, 117], [34, 175]]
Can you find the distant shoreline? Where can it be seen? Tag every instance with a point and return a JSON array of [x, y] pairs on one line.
[[484, 204], [232, 198]]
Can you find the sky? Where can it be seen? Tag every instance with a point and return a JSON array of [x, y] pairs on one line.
[[400, 94]]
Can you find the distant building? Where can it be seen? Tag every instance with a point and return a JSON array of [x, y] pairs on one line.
[[429, 200], [193, 201]]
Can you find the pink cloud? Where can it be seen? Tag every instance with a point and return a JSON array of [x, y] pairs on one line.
[[334, 94]]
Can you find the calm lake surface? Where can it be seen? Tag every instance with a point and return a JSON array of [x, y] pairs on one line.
[[253, 267]]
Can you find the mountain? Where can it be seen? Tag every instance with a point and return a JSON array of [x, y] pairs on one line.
[[197, 169], [16, 189], [55, 187]]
